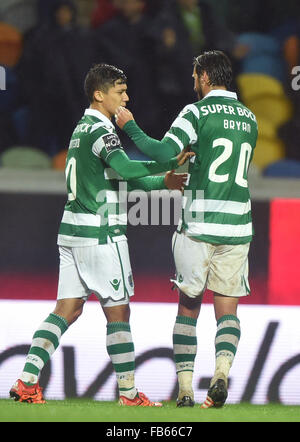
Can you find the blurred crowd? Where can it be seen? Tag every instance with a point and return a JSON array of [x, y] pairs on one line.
[[47, 47]]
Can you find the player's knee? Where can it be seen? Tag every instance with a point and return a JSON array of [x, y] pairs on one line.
[[189, 306], [76, 314], [190, 298], [68, 310], [119, 313]]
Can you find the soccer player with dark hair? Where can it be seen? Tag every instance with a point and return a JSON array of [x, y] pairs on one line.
[[211, 244], [92, 241]]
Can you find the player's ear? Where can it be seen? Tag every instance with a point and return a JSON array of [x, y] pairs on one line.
[[98, 96], [205, 78]]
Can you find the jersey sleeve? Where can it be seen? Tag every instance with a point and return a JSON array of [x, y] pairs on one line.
[[105, 142], [147, 183], [160, 151], [131, 169], [183, 131]]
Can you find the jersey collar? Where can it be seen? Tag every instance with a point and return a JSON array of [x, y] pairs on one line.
[[221, 93], [99, 115]]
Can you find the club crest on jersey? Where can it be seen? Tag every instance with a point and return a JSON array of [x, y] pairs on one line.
[[111, 142]]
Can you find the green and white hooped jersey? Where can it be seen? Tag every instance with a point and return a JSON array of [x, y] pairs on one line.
[[216, 203], [93, 213]]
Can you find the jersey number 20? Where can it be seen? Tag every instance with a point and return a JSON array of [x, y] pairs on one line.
[[245, 154]]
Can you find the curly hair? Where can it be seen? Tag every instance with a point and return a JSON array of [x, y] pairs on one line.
[[217, 66]]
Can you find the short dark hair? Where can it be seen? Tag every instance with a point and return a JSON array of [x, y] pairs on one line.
[[101, 77], [218, 67]]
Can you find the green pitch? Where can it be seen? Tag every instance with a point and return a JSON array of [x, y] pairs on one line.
[[79, 410]]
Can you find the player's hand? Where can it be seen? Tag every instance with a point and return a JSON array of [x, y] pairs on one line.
[[184, 155], [175, 181], [122, 116]]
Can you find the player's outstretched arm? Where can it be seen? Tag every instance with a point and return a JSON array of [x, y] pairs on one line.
[[130, 169], [171, 181], [160, 151]]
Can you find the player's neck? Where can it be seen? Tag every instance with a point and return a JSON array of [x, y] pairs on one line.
[[213, 88], [100, 108]]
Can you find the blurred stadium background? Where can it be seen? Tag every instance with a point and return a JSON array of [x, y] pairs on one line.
[[45, 52]]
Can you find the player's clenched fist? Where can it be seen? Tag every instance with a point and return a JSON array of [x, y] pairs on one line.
[[122, 116]]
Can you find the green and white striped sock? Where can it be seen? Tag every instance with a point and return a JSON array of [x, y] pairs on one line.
[[185, 350], [226, 343], [44, 343], [121, 351]]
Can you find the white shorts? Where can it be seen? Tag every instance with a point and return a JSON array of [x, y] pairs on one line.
[[103, 269], [200, 265]]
